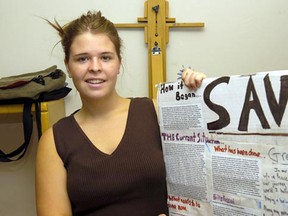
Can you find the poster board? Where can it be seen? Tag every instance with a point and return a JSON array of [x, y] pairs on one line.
[[225, 145]]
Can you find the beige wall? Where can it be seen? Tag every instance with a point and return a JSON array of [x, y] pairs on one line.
[[240, 37]]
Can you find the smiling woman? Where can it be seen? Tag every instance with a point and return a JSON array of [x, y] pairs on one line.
[[93, 65], [106, 158]]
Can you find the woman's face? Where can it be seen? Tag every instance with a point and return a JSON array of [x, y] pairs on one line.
[[93, 65]]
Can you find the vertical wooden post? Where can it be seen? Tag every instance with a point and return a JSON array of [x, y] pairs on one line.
[[156, 43]]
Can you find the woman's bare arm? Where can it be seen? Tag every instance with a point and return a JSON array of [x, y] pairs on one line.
[[51, 194]]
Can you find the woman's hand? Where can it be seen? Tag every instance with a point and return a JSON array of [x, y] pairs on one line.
[[192, 79]]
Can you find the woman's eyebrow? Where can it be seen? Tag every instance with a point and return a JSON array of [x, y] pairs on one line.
[[80, 54]]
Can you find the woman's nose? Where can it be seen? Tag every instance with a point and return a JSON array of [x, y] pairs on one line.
[[95, 65]]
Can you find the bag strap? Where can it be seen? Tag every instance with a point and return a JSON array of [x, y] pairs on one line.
[[27, 122], [38, 118], [27, 129]]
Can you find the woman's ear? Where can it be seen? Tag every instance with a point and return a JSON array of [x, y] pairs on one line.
[[67, 69], [119, 69], [69, 74]]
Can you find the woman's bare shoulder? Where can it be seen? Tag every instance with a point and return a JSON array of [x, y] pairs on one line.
[[46, 146]]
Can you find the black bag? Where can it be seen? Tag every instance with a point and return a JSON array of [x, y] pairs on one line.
[[29, 89]]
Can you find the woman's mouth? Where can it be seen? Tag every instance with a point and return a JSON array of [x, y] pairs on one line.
[[95, 81]]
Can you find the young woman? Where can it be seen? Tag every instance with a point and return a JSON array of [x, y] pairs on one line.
[[106, 158]]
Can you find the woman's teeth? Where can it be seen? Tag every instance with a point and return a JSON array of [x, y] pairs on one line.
[[95, 81]]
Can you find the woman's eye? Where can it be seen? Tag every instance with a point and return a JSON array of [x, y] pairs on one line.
[[82, 59], [106, 58]]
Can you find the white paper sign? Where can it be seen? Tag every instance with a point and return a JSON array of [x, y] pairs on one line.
[[226, 145]]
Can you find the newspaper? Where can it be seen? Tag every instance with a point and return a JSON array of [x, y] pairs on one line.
[[226, 145]]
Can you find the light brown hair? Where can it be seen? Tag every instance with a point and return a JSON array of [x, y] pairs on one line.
[[92, 22]]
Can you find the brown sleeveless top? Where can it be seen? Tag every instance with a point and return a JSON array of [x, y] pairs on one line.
[[130, 181]]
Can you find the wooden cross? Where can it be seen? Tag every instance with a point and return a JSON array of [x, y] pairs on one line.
[[156, 23]]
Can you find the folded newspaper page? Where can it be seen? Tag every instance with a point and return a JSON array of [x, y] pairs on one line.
[[226, 145]]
